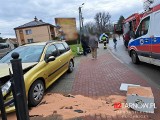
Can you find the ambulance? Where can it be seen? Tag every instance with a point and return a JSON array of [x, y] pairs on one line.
[[145, 46]]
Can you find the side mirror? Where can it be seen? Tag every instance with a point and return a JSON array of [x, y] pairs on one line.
[[51, 58]]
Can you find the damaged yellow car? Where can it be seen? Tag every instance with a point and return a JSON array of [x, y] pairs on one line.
[[42, 63]]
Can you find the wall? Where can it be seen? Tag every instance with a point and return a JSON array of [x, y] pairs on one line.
[[39, 34]]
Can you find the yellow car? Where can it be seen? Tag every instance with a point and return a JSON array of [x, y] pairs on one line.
[[42, 63]]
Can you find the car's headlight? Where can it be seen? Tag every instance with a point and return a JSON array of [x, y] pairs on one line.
[[6, 88]]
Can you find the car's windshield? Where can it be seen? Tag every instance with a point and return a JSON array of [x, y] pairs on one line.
[[27, 54]]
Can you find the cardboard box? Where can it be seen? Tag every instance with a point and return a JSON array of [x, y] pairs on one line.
[[140, 99]]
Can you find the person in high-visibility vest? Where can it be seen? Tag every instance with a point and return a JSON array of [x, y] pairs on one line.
[[104, 38]]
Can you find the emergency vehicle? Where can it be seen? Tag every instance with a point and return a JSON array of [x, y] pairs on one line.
[[146, 44], [132, 21], [118, 29], [130, 25]]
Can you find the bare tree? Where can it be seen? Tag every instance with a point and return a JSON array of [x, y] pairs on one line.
[[102, 21], [90, 27]]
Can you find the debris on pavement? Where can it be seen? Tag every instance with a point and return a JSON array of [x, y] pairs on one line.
[[124, 86], [44, 102], [79, 111], [69, 107], [69, 95]]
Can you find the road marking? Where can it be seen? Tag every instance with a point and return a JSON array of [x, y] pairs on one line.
[[116, 57]]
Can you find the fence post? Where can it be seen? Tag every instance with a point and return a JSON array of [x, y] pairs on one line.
[[19, 93]]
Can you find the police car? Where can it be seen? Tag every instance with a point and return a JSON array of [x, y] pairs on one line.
[[145, 46]]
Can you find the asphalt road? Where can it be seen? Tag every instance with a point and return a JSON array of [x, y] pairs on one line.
[[149, 72]]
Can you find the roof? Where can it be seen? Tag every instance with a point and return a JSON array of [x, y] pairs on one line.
[[10, 40], [154, 9], [34, 23], [13, 40], [132, 17]]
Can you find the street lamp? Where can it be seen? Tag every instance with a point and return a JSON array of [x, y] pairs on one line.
[[80, 25], [0, 36]]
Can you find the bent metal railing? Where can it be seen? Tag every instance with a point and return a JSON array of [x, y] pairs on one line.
[[18, 91]]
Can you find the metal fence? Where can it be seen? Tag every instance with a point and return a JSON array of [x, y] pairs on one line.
[[18, 91]]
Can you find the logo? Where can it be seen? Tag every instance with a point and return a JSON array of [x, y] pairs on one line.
[[118, 105], [141, 41], [138, 104]]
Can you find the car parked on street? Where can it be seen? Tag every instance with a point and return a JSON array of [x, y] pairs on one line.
[[42, 63], [4, 49]]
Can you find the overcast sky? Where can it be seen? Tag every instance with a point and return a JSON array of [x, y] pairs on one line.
[[14, 13]]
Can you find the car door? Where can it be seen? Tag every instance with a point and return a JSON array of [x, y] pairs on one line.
[[143, 41], [52, 67], [155, 47], [63, 57]]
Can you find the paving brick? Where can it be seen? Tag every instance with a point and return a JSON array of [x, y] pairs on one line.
[[103, 77]]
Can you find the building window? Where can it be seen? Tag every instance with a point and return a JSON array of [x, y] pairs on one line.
[[28, 32], [20, 31], [30, 40]]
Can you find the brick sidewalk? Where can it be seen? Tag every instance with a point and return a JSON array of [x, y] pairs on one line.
[[103, 77]]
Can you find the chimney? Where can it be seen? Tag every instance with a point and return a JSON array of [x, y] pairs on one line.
[[40, 20], [35, 19]]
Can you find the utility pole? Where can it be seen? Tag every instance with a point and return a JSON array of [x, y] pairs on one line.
[[80, 22], [80, 26], [1, 37]]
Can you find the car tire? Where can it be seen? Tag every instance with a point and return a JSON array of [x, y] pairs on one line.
[[134, 57], [36, 93], [70, 67]]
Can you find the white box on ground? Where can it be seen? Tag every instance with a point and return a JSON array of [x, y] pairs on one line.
[[124, 86], [140, 99]]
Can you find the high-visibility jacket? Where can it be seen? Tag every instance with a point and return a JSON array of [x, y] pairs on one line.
[[104, 38]]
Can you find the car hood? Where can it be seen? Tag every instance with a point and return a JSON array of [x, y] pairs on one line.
[[4, 71]]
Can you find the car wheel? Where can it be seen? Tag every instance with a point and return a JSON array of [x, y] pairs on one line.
[[134, 57], [36, 93], [70, 68]]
